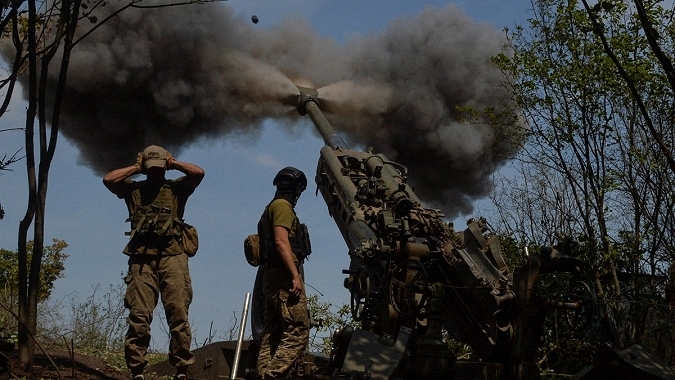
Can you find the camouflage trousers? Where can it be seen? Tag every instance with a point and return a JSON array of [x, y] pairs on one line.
[[286, 326], [149, 277]]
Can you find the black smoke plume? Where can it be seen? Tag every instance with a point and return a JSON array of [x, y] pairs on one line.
[[177, 75]]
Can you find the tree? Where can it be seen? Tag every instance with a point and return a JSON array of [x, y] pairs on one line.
[[648, 24], [326, 322], [591, 168], [51, 270]]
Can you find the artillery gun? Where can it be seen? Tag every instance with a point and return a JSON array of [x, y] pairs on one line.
[[412, 276]]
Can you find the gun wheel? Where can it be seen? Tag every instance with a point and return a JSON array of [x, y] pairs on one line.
[[360, 293], [579, 319], [408, 287]]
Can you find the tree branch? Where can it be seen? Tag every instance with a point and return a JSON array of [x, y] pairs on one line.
[[5, 162], [597, 28]]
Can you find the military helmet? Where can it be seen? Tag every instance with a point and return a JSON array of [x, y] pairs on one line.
[[291, 177]]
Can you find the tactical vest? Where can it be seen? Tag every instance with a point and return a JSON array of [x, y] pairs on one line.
[[299, 240], [157, 219]]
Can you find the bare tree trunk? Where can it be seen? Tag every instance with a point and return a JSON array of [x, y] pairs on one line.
[[26, 348], [29, 279]]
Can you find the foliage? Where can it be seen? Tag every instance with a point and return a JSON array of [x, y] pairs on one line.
[[93, 326], [50, 271], [99, 322], [326, 320], [592, 91], [461, 350]]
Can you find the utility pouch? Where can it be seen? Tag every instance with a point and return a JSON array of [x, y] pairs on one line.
[[189, 240], [252, 249]]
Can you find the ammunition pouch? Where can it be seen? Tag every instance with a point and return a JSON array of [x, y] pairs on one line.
[[152, 220]]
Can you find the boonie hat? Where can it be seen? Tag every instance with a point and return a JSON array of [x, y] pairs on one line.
[[154, 156]]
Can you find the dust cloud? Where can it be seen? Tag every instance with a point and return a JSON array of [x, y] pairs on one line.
[[176, 76]]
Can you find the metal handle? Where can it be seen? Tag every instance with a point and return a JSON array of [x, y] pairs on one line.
[[242, 328]]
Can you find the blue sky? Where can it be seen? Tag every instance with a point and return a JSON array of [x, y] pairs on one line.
[[239, 171]]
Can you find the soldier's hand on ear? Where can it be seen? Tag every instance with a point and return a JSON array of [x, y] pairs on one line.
[[139, 162], [169, 160]]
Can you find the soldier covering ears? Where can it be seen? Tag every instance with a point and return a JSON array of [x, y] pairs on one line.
[[158, 264]]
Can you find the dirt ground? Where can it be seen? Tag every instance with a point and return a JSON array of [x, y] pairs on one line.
[[60, 365]]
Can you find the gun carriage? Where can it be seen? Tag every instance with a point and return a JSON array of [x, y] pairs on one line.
[[412, 276]]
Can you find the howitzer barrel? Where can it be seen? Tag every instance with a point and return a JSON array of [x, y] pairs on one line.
[[308, 105], [377, 166]]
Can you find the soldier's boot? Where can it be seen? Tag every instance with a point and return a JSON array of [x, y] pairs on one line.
[[181, 373]]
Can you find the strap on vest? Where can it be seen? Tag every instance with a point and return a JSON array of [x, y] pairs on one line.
[[138, 226], [166, 224], [143, 211]]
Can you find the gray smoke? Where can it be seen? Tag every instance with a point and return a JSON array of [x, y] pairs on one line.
[[174, 76]]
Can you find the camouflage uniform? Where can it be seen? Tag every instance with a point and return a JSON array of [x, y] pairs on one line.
[[286, 323], [148, 277], [157, 266]]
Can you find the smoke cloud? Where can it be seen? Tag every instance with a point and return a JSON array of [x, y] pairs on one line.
[[174, 76]]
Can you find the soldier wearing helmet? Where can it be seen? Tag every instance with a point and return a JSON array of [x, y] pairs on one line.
[[158, 265], [284, 245]]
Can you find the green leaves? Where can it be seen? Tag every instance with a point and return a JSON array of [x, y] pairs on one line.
[[52, 269], [598, 100]]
